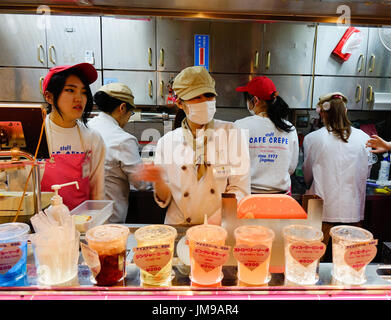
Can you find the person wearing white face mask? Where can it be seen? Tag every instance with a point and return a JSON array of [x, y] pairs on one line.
[[273, 141], [201, 159]]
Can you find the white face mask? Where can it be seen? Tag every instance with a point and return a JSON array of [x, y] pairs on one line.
[[202, 112], [250, 110]]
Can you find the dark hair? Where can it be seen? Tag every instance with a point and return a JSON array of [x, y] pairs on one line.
[[56, 86], [108, 104], [180, 114], [336, 120], [277, 110]]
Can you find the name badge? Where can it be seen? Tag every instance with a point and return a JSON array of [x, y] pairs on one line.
[[221, 171]]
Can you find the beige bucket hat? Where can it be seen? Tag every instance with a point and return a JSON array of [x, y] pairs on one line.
[[192, 82], [119, 91]]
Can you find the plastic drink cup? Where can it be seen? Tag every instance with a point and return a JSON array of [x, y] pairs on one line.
[[343, 236], [13, 254], [157, 235], [56, 265], [109, 241], [295, 270], [211, 235], [252, 237]]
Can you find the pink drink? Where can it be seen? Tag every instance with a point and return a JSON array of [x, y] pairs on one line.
[[256, 239], [210, 235]]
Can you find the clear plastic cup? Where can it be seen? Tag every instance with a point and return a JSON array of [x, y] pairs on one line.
[[155, 235], [109, 241], [209, 234], [13, 254], [343, 236], [56, 264], [253, 236], [294, 270]]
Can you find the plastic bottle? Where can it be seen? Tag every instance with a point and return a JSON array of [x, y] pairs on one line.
[[57, 208], [384, 170]]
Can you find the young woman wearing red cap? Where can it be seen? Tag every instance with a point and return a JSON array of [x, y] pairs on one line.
[[76, 152], [273, 141]]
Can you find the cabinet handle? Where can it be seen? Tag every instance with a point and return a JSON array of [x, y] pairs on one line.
[[40, 46], [358, 93], [150, 56], [162, 57], [361, 63], [51, 48], [150, 88], [372, 67], [256, 63], [370, 95], [268, 54], [162, 88], [40, 84]]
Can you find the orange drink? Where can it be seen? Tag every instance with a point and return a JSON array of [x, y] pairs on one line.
[[212, 237], [253, 251]]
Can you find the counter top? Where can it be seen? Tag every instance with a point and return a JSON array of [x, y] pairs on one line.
[[181, 288]]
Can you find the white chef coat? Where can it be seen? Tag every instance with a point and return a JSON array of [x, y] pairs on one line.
[[122, 159], [274, 154], [190, 199], [337, 172]]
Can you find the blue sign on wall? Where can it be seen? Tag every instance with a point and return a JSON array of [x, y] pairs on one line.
[[201, 50]]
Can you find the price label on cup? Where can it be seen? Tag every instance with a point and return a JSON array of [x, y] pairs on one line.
[[306, 253], [10, 254], [209, 256], [91, 258], [152, 259], [357, 256], [251, 257]]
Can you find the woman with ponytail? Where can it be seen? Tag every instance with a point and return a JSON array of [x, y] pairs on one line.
[[336, 164], [273, 142]]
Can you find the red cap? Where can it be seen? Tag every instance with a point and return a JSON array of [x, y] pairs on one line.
[[261, 87], [86, 68]]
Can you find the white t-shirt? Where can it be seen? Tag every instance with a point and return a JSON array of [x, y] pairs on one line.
[[67, 141], [274, 154], [337, 172]]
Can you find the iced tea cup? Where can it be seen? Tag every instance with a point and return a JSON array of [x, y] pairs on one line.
[[347, 239], [210, 235], [253, 251], [303, 249], [109, 241], [157, 235]]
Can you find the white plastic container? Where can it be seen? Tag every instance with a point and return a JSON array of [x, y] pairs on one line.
[[99, 210]]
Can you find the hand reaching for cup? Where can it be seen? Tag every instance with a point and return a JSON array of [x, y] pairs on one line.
[[149, 172], [378, 144]]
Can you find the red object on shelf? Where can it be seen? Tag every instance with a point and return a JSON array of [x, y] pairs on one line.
[[338, 49]]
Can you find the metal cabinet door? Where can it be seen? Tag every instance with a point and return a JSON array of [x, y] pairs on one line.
[[235, 47], [295, 90], [21, 84], [351, 87], [288, 48], [379, 58], [373, 86], [327, 64], [72, 40], [142, 84], [162, 86], [97, 84], [226, 85], [22, 41], [175, 42], [128, 44]]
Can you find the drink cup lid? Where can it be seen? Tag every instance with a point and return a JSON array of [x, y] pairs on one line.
[[13, 230]]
